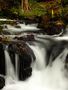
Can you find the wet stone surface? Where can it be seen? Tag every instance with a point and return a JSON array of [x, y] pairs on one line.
[[25, 55], [2, 82], [2, 60]]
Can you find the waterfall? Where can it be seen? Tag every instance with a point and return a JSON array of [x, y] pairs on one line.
[[43, 78], [40, 56], [16, 65], [10, 73], [50, 78]]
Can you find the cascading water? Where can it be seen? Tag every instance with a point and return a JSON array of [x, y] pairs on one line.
[[16, 65], [43, 78], [40, 56], [9, 29], [10, 73], [52, 77]]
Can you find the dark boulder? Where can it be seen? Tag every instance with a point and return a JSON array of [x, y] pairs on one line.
[[25, 60], [51, 26], [26, 57], [66, 62], [2, 82], [2, 60], [25, 69], [26, 38]]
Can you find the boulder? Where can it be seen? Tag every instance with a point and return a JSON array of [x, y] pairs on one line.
[[51, 25], [2, 60], [26, 38], [2, 82], [25, 59]]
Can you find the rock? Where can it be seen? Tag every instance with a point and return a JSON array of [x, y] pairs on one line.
[[43, 21], [66, 62], [26, 57], [25, 69], [2, 82], [66, 18], [25, 61], [2, 60], [26, 38], [0, 39], [51, 25]]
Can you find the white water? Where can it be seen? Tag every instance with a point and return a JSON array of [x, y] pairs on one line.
[[39, 52], [10, 73], [19, 28], [44, 78], [3, 19], [16, 65], [52, 78], [28, 27]]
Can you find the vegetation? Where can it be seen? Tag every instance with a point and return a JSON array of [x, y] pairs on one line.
[[45, 13], [33, 8], [28, 8]]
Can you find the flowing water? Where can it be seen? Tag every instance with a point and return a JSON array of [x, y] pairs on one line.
[[40, 56], [16, 63], [10, 73], [19, 28], [43, 78], [51, 77]]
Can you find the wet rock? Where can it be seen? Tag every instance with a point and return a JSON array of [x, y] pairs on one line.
[[26, 57], [25, 69], [20, 48], [66, 62], [26, 38], [66, 18], [2, 60], [0, 39], [2, 82], [25, 60], [51, 26]]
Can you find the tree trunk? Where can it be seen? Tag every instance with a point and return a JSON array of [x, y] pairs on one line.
[[25, 5], [22, 4]]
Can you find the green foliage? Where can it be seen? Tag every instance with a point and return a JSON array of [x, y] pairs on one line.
[[14, 10], [36, 10], [65, 10]]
